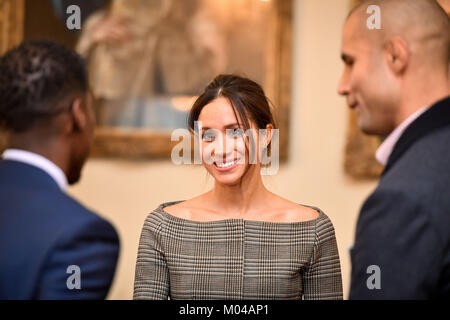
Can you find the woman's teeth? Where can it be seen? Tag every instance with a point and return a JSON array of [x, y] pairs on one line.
[[226, 165]]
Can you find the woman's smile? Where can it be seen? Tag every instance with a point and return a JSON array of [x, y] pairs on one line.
[[226, 166]]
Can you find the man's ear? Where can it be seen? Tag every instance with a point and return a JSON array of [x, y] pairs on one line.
[[78, 114], [397, 53]]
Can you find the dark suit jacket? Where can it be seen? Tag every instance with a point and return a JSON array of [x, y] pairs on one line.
[[43, 231], [404, 226]]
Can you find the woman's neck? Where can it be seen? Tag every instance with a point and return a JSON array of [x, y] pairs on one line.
[[240, 199]]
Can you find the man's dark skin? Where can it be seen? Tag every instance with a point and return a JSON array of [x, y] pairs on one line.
[[65, 138]]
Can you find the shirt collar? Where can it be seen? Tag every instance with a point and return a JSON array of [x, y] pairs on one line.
[[40, 162], [384, 151]]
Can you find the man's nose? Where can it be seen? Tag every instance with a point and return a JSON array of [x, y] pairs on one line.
[[343, 86]]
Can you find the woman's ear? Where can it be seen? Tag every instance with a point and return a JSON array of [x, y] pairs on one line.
[[269, 135], [397, 53]]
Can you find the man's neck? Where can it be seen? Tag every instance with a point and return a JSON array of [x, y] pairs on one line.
[[38, 161], [53, 149], [423, 93]]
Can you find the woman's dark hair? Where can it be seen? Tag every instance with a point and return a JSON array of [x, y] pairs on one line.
[[246, 97]]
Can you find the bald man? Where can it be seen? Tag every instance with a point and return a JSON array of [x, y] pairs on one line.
[[396, 80]]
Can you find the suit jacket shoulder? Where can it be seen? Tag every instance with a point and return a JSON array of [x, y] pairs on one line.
[[43, 231], [403, 225]]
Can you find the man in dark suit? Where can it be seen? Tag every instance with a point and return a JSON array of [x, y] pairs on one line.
[[51, 247], [396, 81]]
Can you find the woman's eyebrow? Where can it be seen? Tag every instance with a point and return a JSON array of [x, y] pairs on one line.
[[231, 125], [228, 126]]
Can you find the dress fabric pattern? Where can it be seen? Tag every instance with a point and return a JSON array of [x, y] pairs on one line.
[[236, 259]]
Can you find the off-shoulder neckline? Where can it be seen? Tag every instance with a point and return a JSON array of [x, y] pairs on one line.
[[229, 220]]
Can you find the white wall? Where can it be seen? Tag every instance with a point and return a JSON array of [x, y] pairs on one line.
[[126, 191]]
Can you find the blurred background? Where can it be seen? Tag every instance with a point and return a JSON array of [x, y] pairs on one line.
[[149, 61]]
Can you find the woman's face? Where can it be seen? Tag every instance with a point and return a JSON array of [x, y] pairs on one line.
[[224, 147]]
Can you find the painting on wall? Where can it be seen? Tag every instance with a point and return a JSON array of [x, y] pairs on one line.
[[11, 34], [145, 82], [149, 59], [359, 161]]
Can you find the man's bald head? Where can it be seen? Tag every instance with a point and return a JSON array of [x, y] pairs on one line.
[[422, 24], [395, 69]]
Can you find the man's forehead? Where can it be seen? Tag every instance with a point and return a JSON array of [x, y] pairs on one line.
[[357, 35], [352, 37], [355, 26]]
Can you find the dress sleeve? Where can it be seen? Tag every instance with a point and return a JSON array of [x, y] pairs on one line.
[[322, 278], [152, 274]]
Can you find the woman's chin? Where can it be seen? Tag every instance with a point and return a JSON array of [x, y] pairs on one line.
[[228, 183], [229, 178]]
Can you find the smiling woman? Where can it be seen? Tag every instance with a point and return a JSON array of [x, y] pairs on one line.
[[239, 240], [229, 106]]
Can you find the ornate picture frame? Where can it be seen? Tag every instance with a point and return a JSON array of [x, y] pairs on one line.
[[150, 144], [12, 14], [11, 23]]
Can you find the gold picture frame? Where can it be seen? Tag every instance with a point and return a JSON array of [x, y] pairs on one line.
[[115, 142], [12, 13], [11, 23], [149, 144]]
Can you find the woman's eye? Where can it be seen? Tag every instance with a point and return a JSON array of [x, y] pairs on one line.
[[208, 137], [235, 133]]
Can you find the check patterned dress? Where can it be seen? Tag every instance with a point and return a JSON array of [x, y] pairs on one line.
[[236, 259]]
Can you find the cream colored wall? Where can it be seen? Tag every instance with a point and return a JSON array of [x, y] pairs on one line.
[[126, 191]]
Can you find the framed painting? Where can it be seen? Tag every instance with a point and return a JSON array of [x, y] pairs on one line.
[[173, 49], [11, 34], [145, 84], [359, 160], [11, 23]]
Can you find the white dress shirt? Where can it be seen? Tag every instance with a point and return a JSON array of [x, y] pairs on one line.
[[384, 151], [40, 162]]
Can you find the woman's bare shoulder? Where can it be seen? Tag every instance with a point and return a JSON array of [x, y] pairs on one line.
[[184, 209], [294, 212]]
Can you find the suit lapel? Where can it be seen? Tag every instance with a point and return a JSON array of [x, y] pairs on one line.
[[436, 117]]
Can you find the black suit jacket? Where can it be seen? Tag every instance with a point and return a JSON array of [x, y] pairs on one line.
[[404, 226], [43, 232]]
